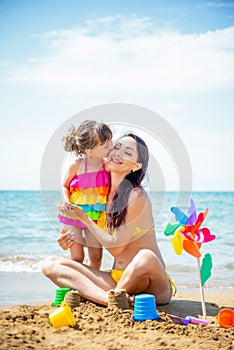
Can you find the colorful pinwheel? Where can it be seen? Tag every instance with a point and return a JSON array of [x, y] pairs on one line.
[[188, 235]]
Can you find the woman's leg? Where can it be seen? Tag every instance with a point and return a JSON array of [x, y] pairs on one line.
[[90, 282], [145, 274], [94, 250]]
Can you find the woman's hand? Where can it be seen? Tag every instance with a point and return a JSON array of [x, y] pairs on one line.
[[73, 211]]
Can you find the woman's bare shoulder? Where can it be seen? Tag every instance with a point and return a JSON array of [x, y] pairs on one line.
[[138, 197], [138, 192], [139, 207]]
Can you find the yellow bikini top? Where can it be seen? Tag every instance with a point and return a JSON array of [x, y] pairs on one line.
[[139, 230], [101, 222]]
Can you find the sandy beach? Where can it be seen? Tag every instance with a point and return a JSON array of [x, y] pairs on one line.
[[27, 326]]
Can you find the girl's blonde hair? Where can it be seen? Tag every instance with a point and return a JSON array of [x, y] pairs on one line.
[[87, 136]]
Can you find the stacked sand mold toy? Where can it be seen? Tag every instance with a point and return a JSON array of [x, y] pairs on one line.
[[60, 295]]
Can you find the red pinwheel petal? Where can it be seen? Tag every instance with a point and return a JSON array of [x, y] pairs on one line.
[[201, 218], [200, 236], [203, 235]]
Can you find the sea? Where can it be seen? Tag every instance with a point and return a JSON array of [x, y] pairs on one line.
[[29, 230]]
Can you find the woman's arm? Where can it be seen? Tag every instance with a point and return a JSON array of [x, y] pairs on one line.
[[138, 214]]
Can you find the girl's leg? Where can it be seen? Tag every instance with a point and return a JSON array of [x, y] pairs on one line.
[[76, 249], [145, 274], [91, 283], [94, 250]]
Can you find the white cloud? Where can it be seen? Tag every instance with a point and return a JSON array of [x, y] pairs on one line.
[[220, 4], [115, 54]]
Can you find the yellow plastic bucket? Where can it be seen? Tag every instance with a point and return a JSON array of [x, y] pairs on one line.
[[62, 317]]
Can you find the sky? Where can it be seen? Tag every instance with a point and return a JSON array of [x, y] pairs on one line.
[[175, 58]]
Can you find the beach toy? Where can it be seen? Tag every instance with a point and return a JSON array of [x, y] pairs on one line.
[[189, 236], [180, 320], [72, 298], [60, 295], [145, 308], [188, 319], [62, 316], [195, 320], [225, 318]]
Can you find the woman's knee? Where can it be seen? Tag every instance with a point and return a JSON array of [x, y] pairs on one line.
[[49, 264], [145, 259]]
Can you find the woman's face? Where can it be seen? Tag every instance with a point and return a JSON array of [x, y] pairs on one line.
[[124, 155]]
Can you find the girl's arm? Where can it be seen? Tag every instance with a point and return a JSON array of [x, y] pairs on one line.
[[70, 174], [138, 214]]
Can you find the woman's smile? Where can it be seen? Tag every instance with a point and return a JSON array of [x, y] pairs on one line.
[[116, 160]]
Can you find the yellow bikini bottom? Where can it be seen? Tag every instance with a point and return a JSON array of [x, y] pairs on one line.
[[173, 286], [117, 274]]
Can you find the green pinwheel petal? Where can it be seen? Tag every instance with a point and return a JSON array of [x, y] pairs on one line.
[[170, 229], [206, 268]]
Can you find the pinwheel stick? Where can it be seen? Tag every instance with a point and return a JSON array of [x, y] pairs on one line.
[[201, 290]]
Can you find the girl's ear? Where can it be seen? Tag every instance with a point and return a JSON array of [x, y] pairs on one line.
[[87, 151]]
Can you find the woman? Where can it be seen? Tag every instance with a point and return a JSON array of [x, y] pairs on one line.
[[129, 235]]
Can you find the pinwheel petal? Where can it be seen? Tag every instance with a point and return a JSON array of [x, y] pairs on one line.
[[192, 208], [203, 235], [192, 219], [201, 218], [192, 214], [180, 216], [177, 242], [206, 268], [170, 229], [192, 248], [199, 236]]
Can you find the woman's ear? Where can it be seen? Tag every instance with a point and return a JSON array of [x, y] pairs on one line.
[[136, 167], [87, 151]]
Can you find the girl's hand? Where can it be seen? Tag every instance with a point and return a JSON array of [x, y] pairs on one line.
[[68, 237], [73, 211]]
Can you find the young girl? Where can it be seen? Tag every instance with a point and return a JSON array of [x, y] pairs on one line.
[[86, 184]]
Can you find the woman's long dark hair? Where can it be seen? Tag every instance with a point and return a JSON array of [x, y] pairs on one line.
[[118, 209]]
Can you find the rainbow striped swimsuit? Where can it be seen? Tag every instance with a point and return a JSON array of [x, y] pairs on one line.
[[89, 191]]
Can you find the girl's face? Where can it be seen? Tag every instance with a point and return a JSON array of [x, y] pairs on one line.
[[102, 150], [123, 157]]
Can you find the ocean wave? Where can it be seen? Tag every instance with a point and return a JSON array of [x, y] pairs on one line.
[[21, 263], [216, 287]]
